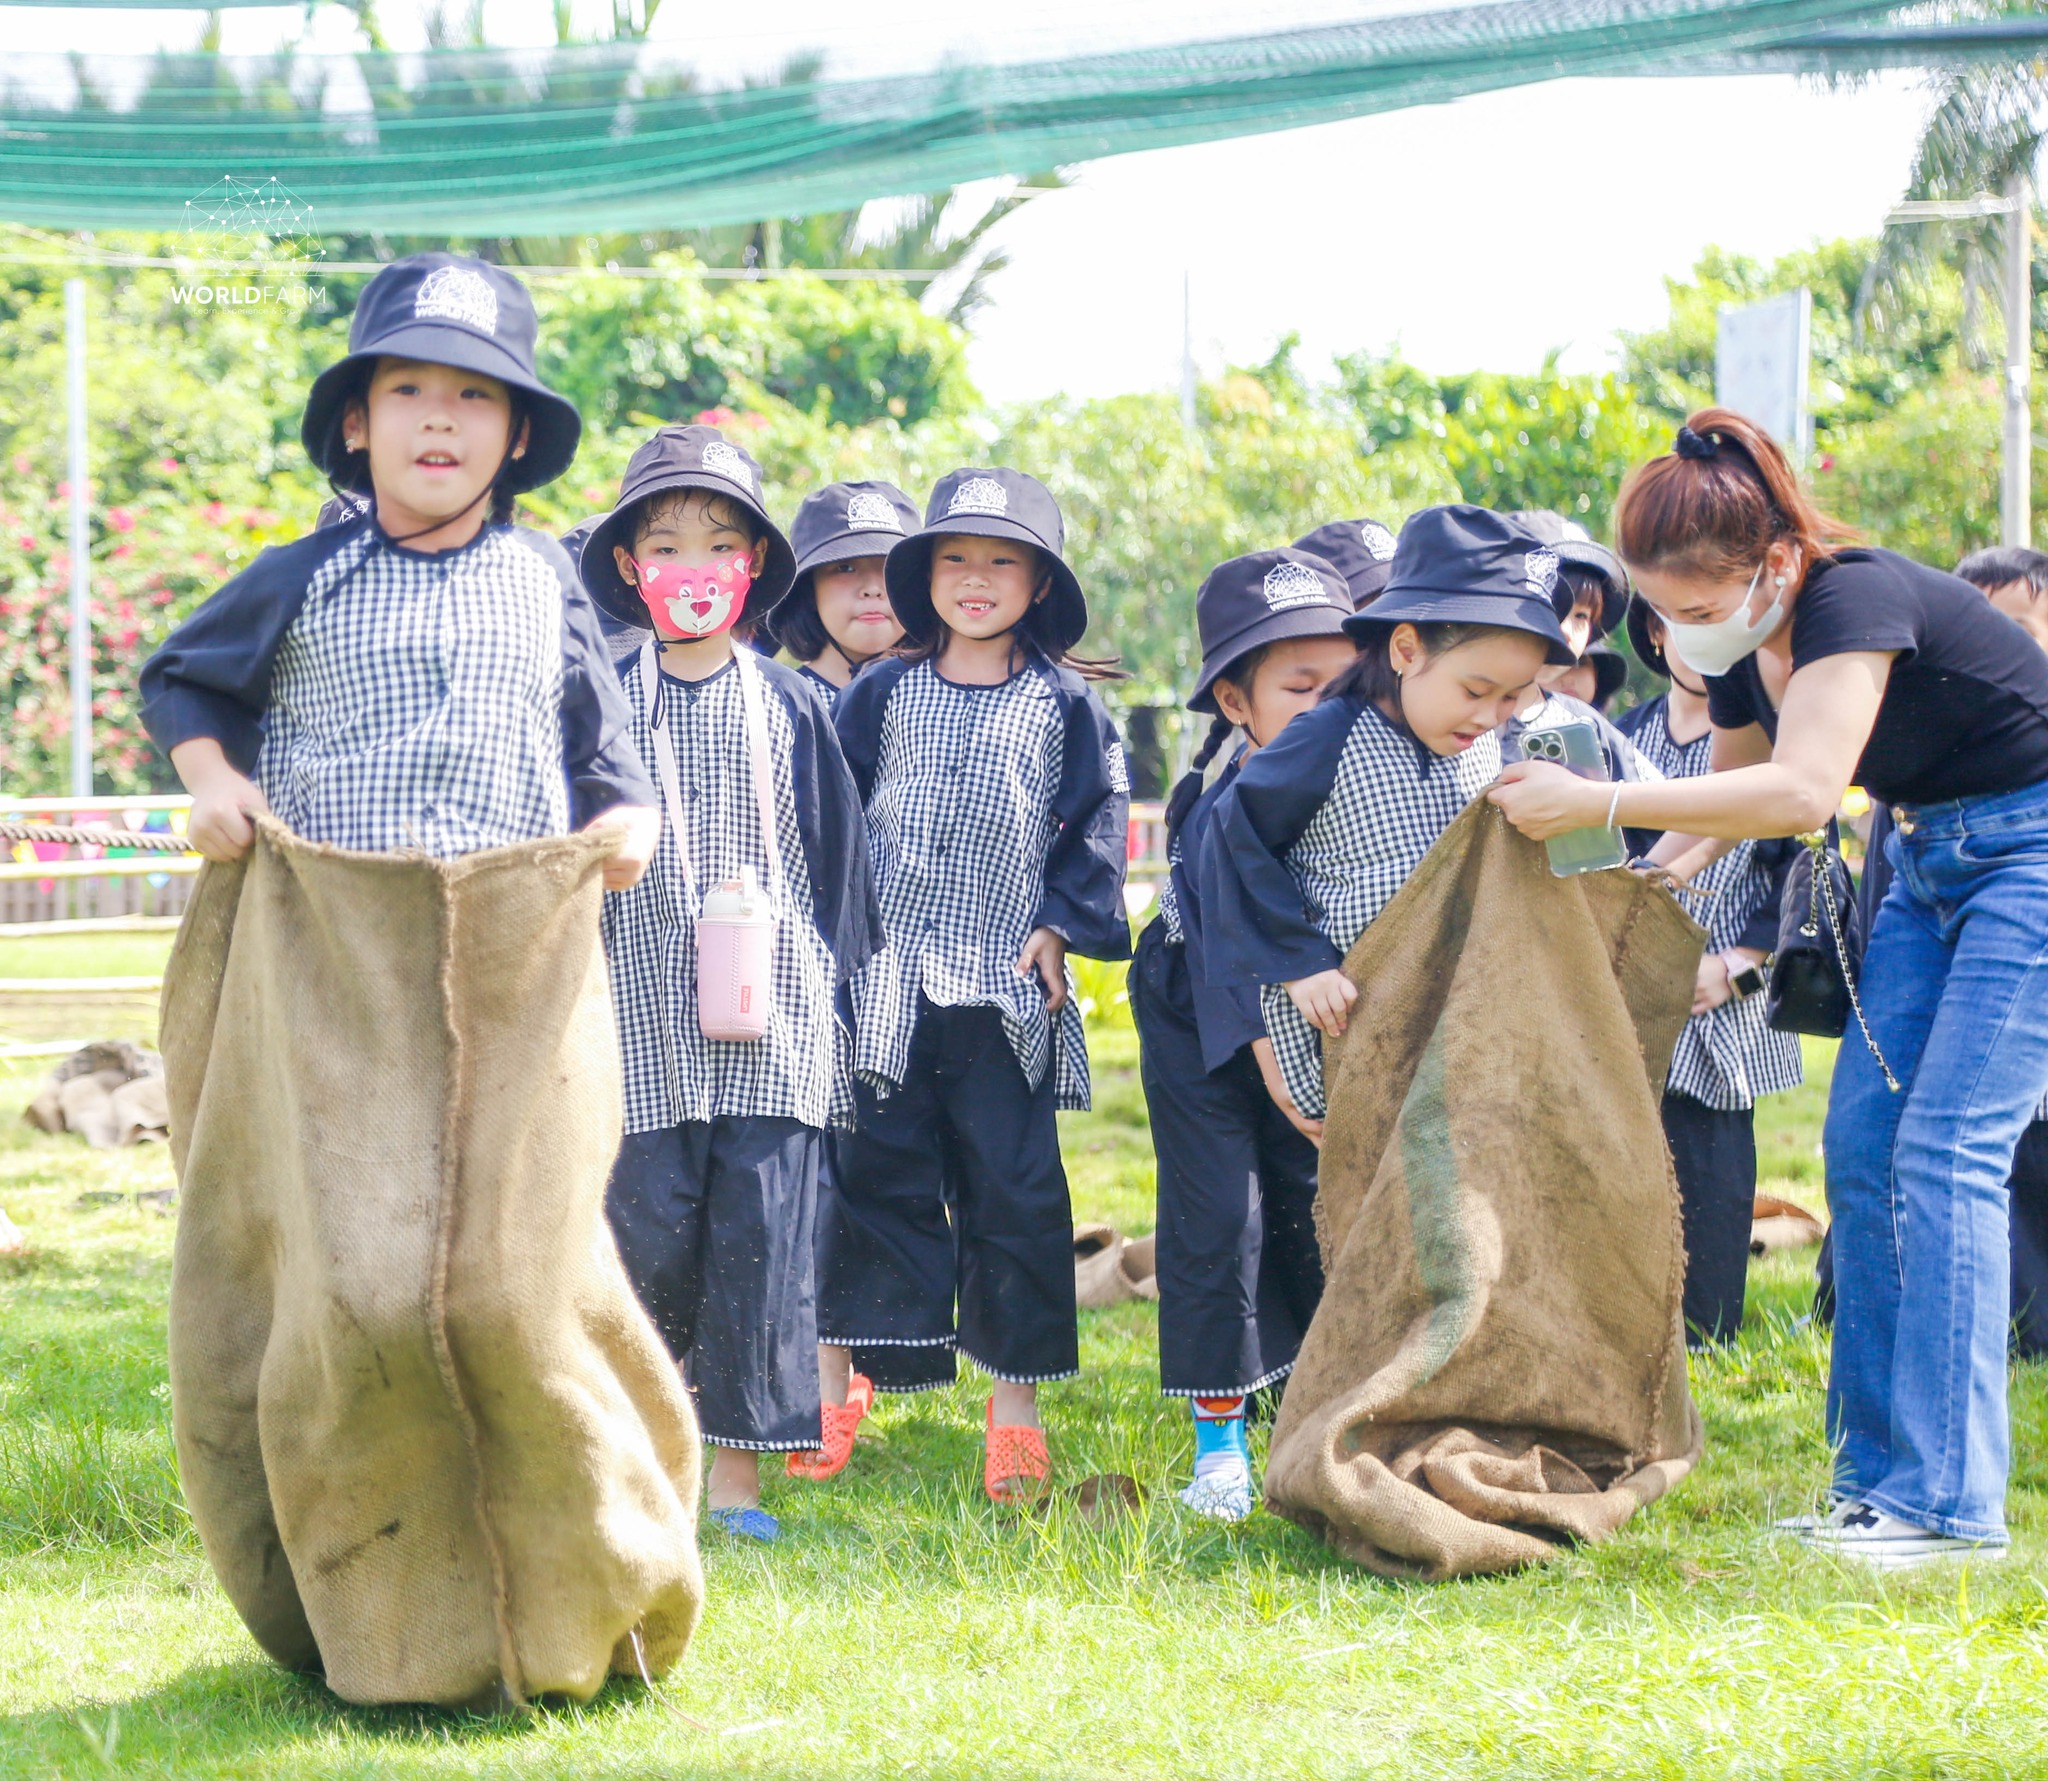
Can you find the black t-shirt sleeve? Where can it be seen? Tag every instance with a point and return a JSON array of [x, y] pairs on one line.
[[1732, 699], [1858, 603]]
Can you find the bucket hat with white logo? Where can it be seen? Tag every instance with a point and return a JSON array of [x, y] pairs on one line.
[[1578, 547], [444, 309], [842, 521], [1263, 598], [1360, 550], [1469, 565], [992, 504], [678, 458]]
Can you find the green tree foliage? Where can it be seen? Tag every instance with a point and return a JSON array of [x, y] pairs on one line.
[[196, 463], [1863, 363], [1549, 440], [666, 348], [195, 466], [1151, 507]]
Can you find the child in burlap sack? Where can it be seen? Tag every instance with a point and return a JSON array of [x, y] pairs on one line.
[[432, 1448], [1322, 828], [420, 675]]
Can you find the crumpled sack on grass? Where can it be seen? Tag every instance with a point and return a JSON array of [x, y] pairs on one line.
[[109, 1093], [1497, 1367], [433, 1446]]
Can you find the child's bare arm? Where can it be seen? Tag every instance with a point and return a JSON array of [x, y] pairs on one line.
[[223, 800], [1276, 1086]]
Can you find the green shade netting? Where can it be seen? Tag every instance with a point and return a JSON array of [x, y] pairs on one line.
[[646, 135]]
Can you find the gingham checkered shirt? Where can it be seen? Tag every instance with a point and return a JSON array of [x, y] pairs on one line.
[[798, 1068], [960, 820], [1730, 1055], [415, 703], [1390, 801]]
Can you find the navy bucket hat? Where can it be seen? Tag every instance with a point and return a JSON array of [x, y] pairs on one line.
[[839, 522], [679, 458], [991, 504], [1578, 547], [1610, 671], [1470, 565], [443, 309], [1263, 598], [1361, 550]]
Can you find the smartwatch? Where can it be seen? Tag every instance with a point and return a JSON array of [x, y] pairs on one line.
[[1745, 976]]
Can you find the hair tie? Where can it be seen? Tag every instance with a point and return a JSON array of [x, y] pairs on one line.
[[1689, 444]]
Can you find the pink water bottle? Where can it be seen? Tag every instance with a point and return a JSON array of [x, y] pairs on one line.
[[735, 960]]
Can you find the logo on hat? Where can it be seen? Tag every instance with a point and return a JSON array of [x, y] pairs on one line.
[[870, 513], [980, 494], [1539, 570], [456, 294], [1289, 585], [723, 460], [1378, 541]]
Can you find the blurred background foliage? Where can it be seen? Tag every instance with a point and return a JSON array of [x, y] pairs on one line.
[[197, 465]]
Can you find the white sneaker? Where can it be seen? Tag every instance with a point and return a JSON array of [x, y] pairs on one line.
[[1885, 1543], [1833, 1504], [1225, 1494]]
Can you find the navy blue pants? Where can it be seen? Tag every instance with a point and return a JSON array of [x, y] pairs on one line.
[[1240, 1274], [1713, 1152], [715, 1223], [951, 1193]]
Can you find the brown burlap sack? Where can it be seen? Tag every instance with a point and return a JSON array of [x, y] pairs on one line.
[[1497, 1364], [432, 1444]]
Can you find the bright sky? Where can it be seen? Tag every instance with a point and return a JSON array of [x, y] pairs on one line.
[[1479, 234], [1482, 233]]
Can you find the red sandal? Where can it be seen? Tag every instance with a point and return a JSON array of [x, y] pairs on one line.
[[1016, 1467], [841, 1420]]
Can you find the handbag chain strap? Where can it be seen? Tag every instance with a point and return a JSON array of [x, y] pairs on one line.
[[1824, 893]]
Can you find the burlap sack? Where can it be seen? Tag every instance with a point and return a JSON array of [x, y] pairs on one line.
[[432, 1444], [1497, 1364]]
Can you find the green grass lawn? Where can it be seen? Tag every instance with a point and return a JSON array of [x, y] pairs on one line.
[[85, 955], [904, 1627]]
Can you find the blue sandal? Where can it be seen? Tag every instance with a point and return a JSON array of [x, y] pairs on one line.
[[746, 1524]]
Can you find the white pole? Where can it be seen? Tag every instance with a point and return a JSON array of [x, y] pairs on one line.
[[1187, 350], [81, 547], [2015, 508]]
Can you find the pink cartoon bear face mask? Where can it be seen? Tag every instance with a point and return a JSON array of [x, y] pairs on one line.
[[691, 601]]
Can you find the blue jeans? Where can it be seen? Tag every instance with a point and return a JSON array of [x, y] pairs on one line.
[[1955, 986]]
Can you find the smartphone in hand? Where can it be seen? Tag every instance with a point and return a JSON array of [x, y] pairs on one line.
[[1576, 746]]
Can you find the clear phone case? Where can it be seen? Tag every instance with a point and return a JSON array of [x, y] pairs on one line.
[[1576, 746]]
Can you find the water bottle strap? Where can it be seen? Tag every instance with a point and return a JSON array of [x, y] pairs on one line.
[[665, 769], [764, 780]]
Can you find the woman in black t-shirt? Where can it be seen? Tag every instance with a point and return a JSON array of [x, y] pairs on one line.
[[1830, 666]]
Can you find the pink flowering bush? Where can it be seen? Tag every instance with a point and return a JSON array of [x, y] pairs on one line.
[[155, 557]]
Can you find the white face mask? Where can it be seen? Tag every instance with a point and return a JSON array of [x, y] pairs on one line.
[[1714, 649]]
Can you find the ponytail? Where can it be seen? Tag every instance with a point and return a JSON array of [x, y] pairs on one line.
[[1717, 501], [1189, 787]]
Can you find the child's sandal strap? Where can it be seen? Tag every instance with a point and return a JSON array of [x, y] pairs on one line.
[[1017, 1465], [841, 1421]]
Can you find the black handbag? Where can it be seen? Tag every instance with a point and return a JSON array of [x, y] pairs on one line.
[[1820, 945], [1819, 958]]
